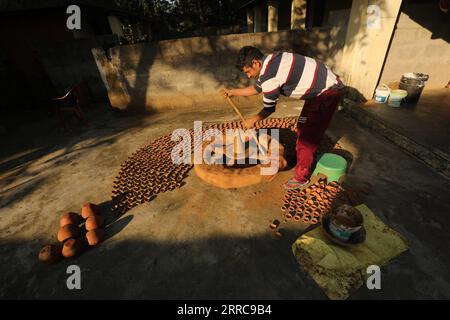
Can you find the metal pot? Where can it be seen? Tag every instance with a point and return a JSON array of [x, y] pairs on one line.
[[413, 83]]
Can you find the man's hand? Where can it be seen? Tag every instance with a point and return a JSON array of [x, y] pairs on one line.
[[250, 122], [226, 92]]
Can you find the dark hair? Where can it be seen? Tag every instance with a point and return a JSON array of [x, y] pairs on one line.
[[246, 55]]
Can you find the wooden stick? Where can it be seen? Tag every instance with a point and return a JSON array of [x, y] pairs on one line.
[[243, 121]]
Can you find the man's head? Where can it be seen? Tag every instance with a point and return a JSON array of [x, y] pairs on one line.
[[250, 61]]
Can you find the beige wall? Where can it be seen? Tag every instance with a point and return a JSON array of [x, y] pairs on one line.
[[420, 44], [365, 48], [187, 73]]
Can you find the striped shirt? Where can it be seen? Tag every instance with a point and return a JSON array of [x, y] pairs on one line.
[[294, 76]]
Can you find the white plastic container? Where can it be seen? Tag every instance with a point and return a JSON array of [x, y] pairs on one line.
[[382, 93], [396, 97]]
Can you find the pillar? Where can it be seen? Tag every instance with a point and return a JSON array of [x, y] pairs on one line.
[[115, 25], [298, 14], [258, 18], [250, 24], [272, 21]]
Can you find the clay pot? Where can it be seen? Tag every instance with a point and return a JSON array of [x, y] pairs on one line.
[[94, 222], [95, 236], [72, 248], [70, 218], [89, 209], [50, 254], [68, 231]]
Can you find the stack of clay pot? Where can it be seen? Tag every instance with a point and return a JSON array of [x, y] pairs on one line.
[[75, 234]]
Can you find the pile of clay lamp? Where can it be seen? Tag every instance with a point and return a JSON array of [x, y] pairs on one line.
[[76, 233], [150, 169], [310, 204]]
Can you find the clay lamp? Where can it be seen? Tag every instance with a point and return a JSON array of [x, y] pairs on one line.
[[316, 214], [297, 217], [278, 234], [288, 216], [306, 219], [314, 220], [284, 208], [274, 224]]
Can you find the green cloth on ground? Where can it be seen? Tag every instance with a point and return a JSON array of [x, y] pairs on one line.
[[339, 270]]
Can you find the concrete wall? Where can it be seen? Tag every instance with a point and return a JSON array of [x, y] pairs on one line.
[[187, 73], [367, 44], [420, 44]]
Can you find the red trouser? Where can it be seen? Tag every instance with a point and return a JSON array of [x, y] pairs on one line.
[[312, 123]]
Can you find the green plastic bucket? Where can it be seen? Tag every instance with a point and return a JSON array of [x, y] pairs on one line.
[[332, 166]]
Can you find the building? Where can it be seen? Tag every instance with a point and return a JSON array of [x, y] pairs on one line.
[[381, 39]]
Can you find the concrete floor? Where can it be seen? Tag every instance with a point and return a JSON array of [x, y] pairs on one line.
[[426, 122], [200, 242]]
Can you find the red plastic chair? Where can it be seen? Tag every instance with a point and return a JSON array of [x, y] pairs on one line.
[[72, 101]]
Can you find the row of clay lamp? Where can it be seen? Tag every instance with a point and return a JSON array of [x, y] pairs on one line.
[[148, 172], [76, 233], [155, 176], [310, 204]]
